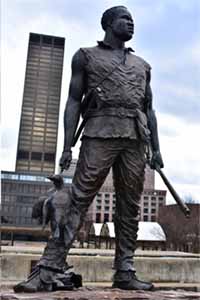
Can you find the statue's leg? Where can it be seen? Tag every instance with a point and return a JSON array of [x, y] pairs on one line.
[[95, 160], [128, 173]]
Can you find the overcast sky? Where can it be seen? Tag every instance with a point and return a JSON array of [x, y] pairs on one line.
[[166, 35]]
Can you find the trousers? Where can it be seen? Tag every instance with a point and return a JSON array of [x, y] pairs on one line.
[[126, 157]]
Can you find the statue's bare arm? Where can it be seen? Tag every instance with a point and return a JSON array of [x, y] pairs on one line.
[[73, 105], [152, 124]]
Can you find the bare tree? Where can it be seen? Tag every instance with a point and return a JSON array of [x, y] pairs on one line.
[[182, 234]]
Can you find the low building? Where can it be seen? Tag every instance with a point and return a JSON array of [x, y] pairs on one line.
[[150, 236]]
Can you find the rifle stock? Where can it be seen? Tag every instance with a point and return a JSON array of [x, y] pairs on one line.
[[78, 132], [185, 209]]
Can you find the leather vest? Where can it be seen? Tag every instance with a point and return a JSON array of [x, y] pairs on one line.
[[124, 88]]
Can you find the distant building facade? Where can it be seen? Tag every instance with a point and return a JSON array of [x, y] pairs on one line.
[[102, 208], [150, 204], [37, 140], [19, 192]]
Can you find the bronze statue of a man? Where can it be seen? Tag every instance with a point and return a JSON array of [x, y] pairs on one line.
[[114, 135], [119, 121]]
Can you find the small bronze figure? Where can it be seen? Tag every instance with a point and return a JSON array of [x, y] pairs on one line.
[[55, 208]]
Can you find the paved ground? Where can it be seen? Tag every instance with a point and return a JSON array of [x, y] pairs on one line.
[[92, 293], [164, 286]]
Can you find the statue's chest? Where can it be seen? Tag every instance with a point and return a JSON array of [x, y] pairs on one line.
[[114, 68]]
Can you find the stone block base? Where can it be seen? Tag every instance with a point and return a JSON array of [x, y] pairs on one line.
[[104, 293], [96, 266]]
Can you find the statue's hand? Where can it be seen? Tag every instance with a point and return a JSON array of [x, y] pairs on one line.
[[156, 160], [65, 160]]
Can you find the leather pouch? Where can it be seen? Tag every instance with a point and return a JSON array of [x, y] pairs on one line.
[[142, 126]]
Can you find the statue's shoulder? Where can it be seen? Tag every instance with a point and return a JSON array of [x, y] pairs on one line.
[[89, 49], [141, 61]]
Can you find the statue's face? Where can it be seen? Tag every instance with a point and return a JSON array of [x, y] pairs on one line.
[[123, 26]]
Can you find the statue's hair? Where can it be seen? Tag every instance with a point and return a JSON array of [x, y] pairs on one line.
[[109, 15]]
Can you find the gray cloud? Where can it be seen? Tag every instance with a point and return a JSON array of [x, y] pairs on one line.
[[168, 132], [185, 109], [191, 178], [8, 138]]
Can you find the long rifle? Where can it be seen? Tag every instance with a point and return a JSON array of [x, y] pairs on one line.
[[185, 209], [154, 140]]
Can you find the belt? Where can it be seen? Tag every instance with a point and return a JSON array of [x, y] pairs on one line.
[[120, 112]]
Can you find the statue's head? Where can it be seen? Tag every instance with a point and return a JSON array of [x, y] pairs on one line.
[[120, 21]]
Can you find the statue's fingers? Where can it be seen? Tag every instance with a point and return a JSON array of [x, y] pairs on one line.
[[67, 166], [68, 162], [61, 162]]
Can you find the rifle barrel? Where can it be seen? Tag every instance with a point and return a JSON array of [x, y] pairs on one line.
[[185, 209]]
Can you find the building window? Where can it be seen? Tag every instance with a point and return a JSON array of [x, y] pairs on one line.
[[22, 154], [36, 155], [35, 38], [153, 210], [107, 201], [146, 210], [145, 218], [49, 157], [59, 42], [98, 218], [107, 208], [153, 218], [106, 218], [99, 207]]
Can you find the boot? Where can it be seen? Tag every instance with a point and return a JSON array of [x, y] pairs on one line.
[[127, 280], [25, 287]]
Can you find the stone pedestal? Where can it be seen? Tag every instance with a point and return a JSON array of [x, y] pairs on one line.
[[104, 293], [96, 265]]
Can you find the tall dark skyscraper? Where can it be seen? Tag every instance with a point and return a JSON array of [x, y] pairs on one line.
[[37, 140]]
